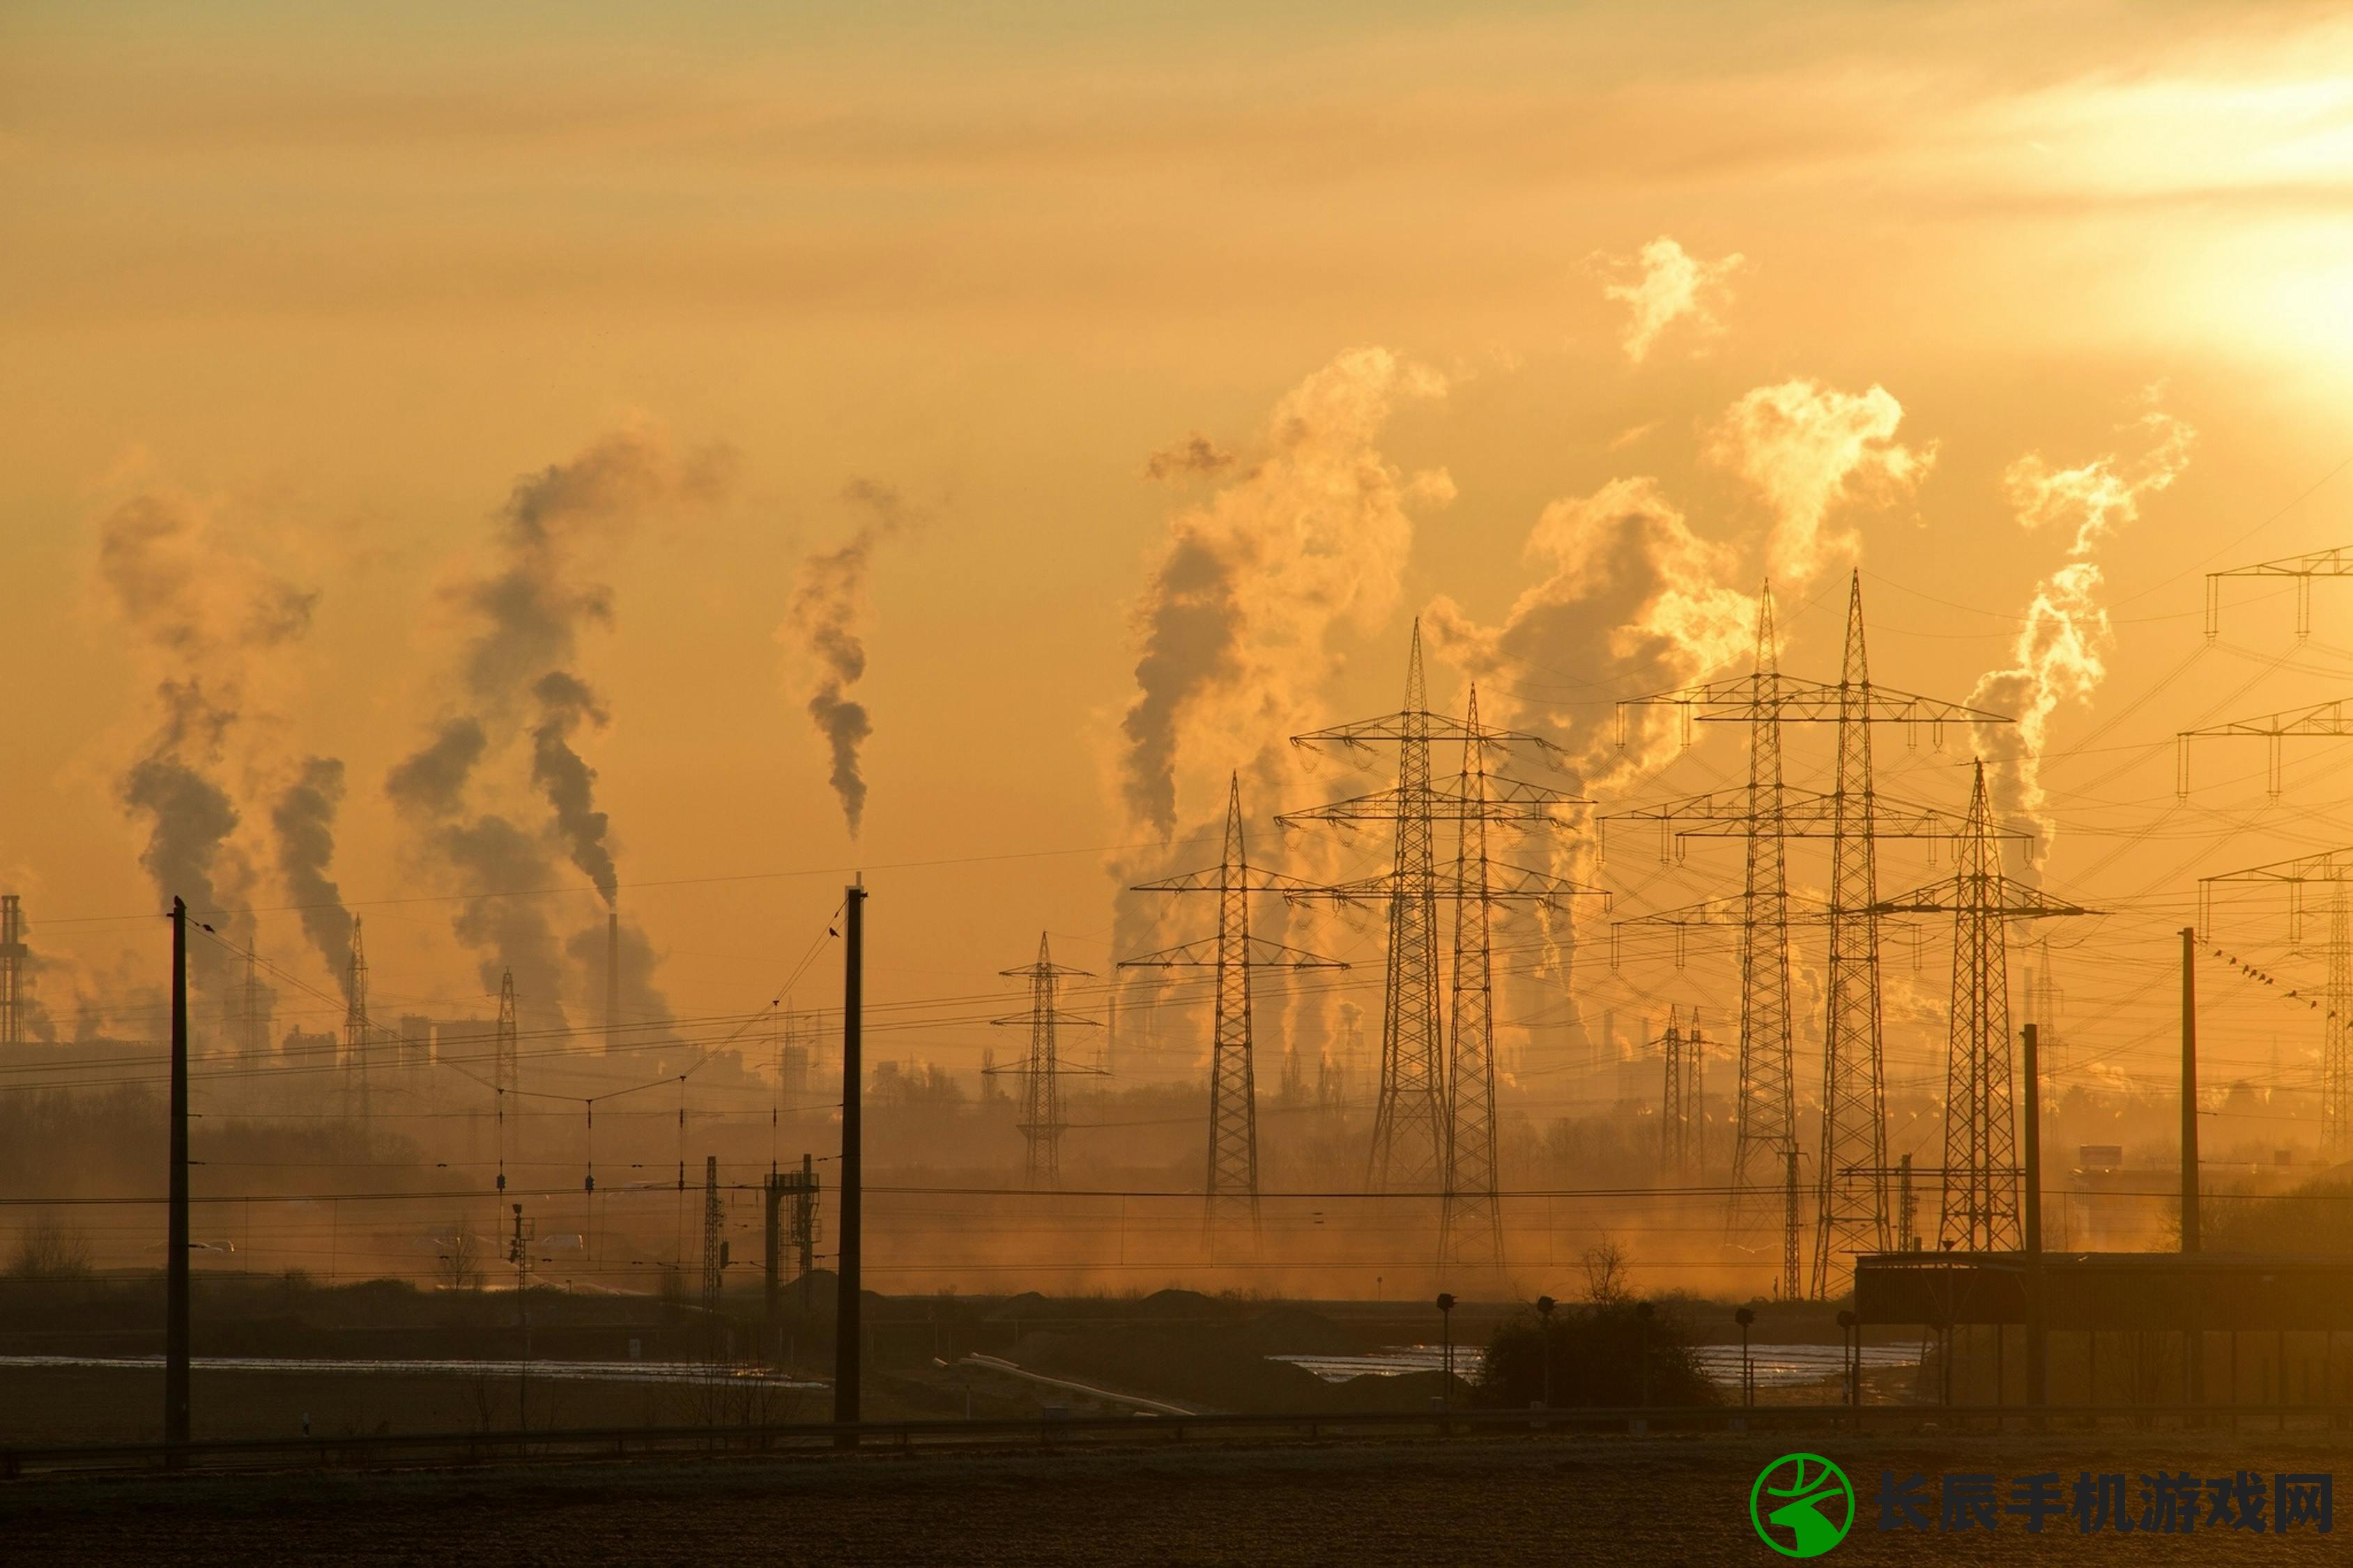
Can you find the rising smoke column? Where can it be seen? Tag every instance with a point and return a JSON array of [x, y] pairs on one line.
[[1234, 626], [569, 783], [304, 818], [828, 602], [528, 609], [1668, 284], [1629, 595], [2061, 652], [199, 614], [1806, 448], [1633, 601]]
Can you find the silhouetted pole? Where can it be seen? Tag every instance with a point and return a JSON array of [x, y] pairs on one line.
[[175, 1244], [2194, 1372], [2189, 1093], [845, 1313], [2031, 1055]]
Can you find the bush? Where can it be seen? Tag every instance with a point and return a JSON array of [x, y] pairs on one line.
[[1597, 1355], [49, 1249]]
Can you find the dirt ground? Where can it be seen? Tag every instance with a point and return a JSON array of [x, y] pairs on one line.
[[1504, 1501]]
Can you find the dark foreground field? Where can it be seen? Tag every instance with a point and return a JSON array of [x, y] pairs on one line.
[[1500, 1502]]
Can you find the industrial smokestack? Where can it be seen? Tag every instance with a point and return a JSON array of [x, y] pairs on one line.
[[612, 980]]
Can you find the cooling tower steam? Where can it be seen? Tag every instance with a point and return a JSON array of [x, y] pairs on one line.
[[1234, 626]]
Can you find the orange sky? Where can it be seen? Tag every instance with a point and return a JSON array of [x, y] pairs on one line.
[[329, 289]]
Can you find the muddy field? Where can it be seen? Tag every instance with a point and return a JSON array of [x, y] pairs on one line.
[[1505, 1501]]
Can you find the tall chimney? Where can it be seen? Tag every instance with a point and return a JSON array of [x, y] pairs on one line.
[[612, 980]]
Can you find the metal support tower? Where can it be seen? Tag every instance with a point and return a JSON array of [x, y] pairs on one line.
[[1041, 1096], [12, 969], [714, 1257], [1981, 1210], [2301, 569], [2331, 720], [1471, 1217], [355, 1026], [1853, 1075], [1677, 1094], [1426, 1112], [253, 1044], [1852, 1217], [2333, 870], [1230, 1187]]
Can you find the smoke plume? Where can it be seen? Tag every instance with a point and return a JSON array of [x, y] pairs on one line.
[[1628, 588], [1669, 285], [1234, 626], [527, 610], [1806, 448], [2061, 653], [304, 821], [199, 613], [569, 783], [826, 609]]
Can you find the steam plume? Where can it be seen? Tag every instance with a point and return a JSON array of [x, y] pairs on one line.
[[1629, 589], [2061, 652], [528, 610], [1234, 626], [197, 611], [1671, 285], [566, 781], [825, 612], [304, 820], [1805, 447]]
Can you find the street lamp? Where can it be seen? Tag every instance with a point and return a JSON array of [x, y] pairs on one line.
[[1850, 1352], [1745, 1317], [1544, 1304], [1446, 1331]]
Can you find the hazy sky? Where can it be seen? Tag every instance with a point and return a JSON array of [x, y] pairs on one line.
[[294, 301]]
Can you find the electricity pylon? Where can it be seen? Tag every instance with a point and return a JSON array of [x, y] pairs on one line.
[[1042, 1095], [2330, 719], [1851, 1200], [13, 953], [715, 1258], [1981, 1211], [355, 1026], [506, 1080], [1683, 1131], [2331, 868], [1435, 1120], [2302, 569], [1231, 1190]]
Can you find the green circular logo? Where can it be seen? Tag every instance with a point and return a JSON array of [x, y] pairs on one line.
[[1808, 1488]]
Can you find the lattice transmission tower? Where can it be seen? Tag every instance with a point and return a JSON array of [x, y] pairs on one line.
[[2333, 870], [1981, 1172], [1682, 1097], [1041, 1070], [355, 1026], [1851, 1202], [714, 1257], [1231, 1185], [2302, 569], [1410, 1116], [11, 971], [1434, 1122]]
